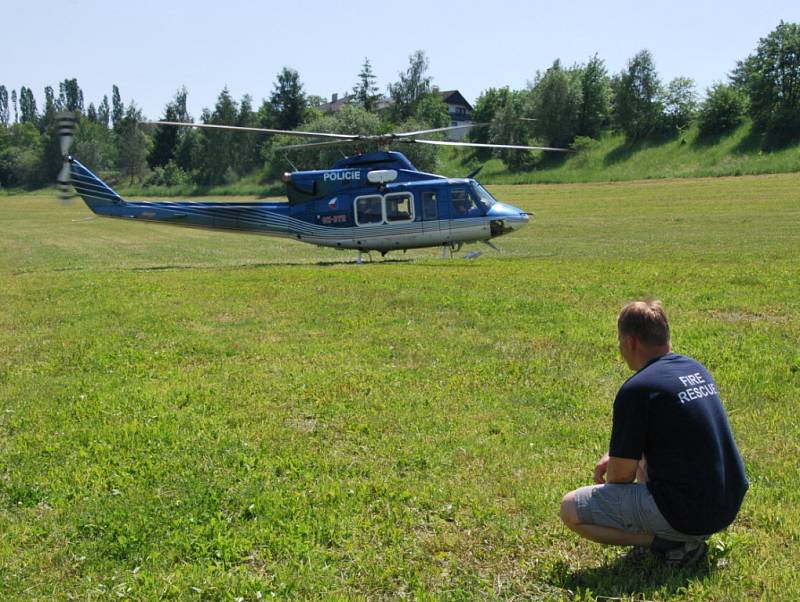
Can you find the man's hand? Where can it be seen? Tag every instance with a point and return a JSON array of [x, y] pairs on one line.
[[600, 470], [615, 470]]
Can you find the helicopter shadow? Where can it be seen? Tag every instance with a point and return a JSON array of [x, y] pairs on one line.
[[269, 264], [620, 578]]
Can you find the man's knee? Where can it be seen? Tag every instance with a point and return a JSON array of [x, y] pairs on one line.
[[569, 510]]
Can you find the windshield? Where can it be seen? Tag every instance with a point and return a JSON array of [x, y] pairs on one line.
[[482, 196]]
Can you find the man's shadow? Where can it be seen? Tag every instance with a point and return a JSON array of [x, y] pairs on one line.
[[621, 578]]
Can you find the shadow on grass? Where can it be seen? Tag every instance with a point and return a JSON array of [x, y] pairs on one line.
[[266, 264], [703, 141], [627, 149], [622, 578], [751, 143]]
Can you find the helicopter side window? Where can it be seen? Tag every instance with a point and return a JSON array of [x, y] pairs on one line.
[[429, 210], [399, 207], [369, 210], [462, 204]]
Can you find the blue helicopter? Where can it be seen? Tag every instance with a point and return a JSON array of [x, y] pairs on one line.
[[376, 201]]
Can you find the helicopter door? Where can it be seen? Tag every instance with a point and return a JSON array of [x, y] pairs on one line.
[[430, 213]]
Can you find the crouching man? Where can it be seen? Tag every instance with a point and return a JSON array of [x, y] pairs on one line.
[[673, 474]]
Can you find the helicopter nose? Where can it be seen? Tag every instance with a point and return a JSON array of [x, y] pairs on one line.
[[507, 218], [515, 222]]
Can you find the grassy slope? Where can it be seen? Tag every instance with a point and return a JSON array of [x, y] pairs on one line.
[[610, 159], [186, 414]]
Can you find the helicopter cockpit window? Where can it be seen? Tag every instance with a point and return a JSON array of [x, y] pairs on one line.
[[481, 195], [462, 202], [399, 207], [369, 210]]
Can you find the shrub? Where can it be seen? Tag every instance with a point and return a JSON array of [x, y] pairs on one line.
[[722, 111], [168, 175]]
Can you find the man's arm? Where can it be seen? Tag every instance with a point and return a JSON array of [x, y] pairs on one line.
[[621, 470], [615, 470]]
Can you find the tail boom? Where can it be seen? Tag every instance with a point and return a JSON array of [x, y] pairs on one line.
[[259, 218]]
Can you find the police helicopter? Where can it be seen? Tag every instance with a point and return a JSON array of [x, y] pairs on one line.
[[374, 201]]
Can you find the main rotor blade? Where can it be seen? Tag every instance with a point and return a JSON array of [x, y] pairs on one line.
[[249, 129], [445, 129], [317, 144], [481, 145]]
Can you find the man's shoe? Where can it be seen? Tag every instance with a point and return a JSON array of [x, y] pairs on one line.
[[689, 554], [636, 555]]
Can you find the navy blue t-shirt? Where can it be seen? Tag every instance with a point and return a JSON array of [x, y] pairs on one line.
[[671, 412]]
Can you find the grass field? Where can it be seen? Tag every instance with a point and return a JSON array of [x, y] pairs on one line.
[[195, 415]]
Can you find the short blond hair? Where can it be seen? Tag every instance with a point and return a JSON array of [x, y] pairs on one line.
[[645, 320]]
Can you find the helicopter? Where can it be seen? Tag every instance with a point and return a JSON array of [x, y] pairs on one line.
[[368, 201]]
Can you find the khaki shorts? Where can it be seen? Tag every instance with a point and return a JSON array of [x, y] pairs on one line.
[[628, 507]]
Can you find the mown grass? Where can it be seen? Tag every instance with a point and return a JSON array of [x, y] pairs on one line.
[[196, 415]]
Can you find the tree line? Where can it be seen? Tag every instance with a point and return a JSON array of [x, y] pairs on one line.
[[567, 106], [562, 106]]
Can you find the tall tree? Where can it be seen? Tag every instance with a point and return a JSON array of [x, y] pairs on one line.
[[365, 92], [166, 138], [556, 100], [132, 143], [414, 83], [680, 103], [594, 111], [91, 113], [27, 106], [636, 92], [94, 144], [103, 112], [49, 109], [508, 128], [71, 95], [287, 103], [215, 153], [117, 108], [248, 145], [51, 159], [3, 106], [14, 102], [771, 79], [486, 107], [432, 111]]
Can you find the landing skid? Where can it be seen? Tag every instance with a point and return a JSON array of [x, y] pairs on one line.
[[360, 258], [449, 248]]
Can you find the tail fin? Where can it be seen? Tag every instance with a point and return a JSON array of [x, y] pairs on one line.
[[95, 193]]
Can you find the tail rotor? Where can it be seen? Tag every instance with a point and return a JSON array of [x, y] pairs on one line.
[[65, 124]]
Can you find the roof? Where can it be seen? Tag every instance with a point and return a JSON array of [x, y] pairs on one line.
[[336, 105], [454, 97]]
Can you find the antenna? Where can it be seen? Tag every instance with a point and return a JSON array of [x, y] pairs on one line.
[[289, 161]]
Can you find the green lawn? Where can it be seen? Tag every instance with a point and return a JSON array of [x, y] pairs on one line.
[[195, 415]]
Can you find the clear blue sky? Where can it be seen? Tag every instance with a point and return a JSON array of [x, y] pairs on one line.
[[149, 49]]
